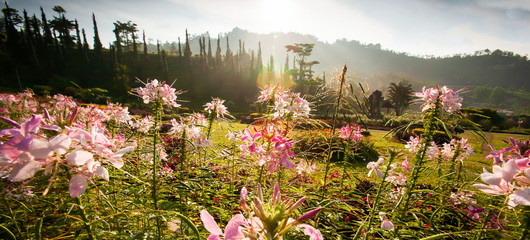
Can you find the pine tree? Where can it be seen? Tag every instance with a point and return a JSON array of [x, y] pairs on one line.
[[98, 47]]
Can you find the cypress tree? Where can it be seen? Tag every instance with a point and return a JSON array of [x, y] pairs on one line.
[[36, 29], [48, 39], [145, 47], [187, 49], [259, 61], [228, 55], [218, 57], [118, 42], [164, 65], [135, 50], [97, 42], [180, 49], [210, 56], [27, 27], [271, 64], [78, 35], [286, 67], [85, 45]]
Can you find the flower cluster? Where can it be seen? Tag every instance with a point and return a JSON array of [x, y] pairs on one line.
[[268, 146], [286, 104], [155, 91], [457, 149], [265, 220], [22, 104], [304, 167], [352, 133], [448, 98], [85, 149], [512, 179], [142, 125], [192, 126], [216, 106]]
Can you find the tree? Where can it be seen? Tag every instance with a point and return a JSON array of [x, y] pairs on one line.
[[48, 40], [145, 46], [303, 76], [187, 49], [400, 96], [97, 42], [375, 101], [302, 51]]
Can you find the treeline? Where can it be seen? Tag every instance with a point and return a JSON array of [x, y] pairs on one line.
[[54, 55]]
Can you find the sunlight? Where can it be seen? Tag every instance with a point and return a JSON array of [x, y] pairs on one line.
[[277, 13]]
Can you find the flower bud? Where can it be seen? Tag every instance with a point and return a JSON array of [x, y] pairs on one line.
[[295, 206], [309, 215]]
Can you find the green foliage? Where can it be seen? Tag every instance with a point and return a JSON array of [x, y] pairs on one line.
[[400, 96]]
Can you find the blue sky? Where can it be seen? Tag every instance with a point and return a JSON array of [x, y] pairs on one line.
[[428, 27]]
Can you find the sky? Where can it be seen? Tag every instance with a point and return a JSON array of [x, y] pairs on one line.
[[417, 27]]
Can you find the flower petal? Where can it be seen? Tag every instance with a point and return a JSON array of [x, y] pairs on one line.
[[79, 157], [232, 231], [60, 143], [313, 233], [40, 149], [102, 172], [209, 223], [387, 225], [24, 171], [78, 185]]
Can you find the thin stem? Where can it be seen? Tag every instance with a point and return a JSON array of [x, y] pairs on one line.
[[84, 217], [331, 139], [158, 111], [381, 187]]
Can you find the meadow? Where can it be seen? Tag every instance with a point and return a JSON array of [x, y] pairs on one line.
[[72, 171]]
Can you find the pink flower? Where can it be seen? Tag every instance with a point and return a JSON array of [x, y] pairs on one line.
[[405, 164], [231, 232], [498, 181], [413, 144], [385, 224], [154, 90], [314, 234], [374, 167], [448, 98], [216, 105], [351, 132]]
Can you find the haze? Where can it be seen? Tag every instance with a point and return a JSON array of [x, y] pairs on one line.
[[431, 27]]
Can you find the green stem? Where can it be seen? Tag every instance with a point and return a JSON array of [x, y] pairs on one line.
[[526, 219], [261, 174], [332, 138], [84, 217], [381, 187], [158, 113]]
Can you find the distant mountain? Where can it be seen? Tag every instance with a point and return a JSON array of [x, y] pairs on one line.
[[377, 66]]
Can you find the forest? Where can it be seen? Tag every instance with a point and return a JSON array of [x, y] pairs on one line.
[[52, 54]]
